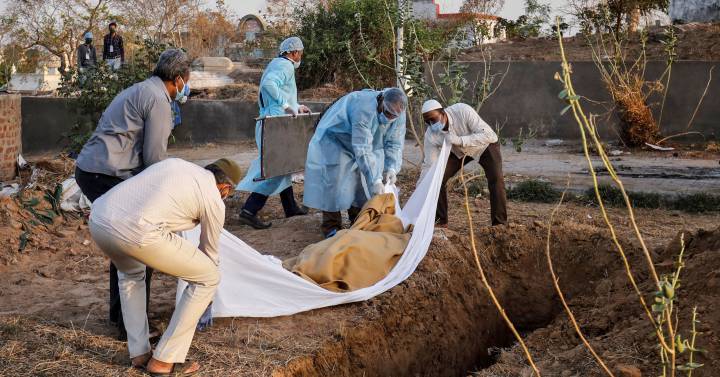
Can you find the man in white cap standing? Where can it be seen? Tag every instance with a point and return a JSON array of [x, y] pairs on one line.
[[471, 139]]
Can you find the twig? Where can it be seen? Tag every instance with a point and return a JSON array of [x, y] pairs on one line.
[[678, 135], [560, 293], [583, 124], [485, 281], [701, 99]]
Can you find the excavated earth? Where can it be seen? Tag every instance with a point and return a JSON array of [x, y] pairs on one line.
[[439, 322]]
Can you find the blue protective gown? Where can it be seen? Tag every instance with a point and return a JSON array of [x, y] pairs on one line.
[[277, 88], [350, 145]]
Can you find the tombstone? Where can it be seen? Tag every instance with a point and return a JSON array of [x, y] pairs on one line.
[[45, 80]]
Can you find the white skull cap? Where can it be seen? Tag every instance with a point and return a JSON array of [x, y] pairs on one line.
[[431, 105]]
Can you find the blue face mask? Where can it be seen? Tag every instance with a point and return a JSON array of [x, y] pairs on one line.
[[186, 93], [180, 95], [437, 127], [383, 119]]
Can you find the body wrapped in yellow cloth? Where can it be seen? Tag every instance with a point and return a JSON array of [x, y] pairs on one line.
[[357, 257]]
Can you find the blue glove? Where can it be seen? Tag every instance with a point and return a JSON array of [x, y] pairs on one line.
[[206, 319]]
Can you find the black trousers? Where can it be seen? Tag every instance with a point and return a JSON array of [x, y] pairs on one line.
[[491, 162], [94, 185], [255, 202]]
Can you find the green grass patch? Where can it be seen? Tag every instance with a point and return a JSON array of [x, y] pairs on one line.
[[534, 190], [696, 203], [612, 196]]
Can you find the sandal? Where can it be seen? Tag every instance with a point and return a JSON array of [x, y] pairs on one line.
[[177, 370], [141, 365]]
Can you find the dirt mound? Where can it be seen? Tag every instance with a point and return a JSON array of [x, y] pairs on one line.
[[327, 92], [694, 42], [31, 219], [439, 322], [243, 91], [613, 321]]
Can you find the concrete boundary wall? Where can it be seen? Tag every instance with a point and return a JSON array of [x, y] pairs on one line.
[[45, 121], [528, 97]]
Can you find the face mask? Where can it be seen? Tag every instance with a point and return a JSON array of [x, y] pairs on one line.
[[88, 41], [383, 119], [296, 64], [186, 93], [437, 127], [180, 94]]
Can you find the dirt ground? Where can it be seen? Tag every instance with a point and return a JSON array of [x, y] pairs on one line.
[[681, 171], [695, 42], [439, 322]]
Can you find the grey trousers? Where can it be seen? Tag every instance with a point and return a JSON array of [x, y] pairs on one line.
[[174, 256]]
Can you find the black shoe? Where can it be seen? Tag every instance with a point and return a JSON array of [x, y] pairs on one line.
[[331, 233], [252, 220], [298, 211]]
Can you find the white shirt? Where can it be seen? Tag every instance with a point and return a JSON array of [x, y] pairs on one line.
[[169, 196], [464, 122]]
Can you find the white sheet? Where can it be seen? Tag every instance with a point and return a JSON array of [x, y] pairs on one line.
[[254, 285]]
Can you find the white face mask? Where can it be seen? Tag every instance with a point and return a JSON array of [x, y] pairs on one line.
[[296, 64]]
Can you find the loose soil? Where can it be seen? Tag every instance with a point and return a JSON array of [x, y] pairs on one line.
[[438, 322], [695, 42]]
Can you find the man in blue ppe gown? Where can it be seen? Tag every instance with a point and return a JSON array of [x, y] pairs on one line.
[[357, 141], [277, 96]]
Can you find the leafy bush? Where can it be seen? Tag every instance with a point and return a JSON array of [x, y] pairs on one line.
[[530, 24], [695, 203], [95, 88], [534, 190], [352, 42]]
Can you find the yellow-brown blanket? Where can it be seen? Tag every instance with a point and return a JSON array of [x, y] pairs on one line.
[[357, 257]]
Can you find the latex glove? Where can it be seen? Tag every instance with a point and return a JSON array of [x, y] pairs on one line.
[[302, 109], [390, 177], [378, 187], [291, 111], [453, 139], [206, 319]]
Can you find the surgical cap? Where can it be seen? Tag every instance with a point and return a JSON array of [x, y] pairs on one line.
[[394, 100], [88, 35], [291, 44]]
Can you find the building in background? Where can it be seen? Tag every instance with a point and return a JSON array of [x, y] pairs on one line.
[[476, 28], [250, 28]]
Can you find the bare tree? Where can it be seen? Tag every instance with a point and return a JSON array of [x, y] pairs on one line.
[[159, 20], [210, 32], [55, 25], [489, 7]]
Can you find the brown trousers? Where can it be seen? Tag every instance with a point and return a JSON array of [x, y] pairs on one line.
[[333, 220], [491, 162]]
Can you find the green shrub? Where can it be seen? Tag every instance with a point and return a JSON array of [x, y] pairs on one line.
[[352, 42], [696, 203], [534, 190], [611, 195], [476, 187], [693, 203]]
